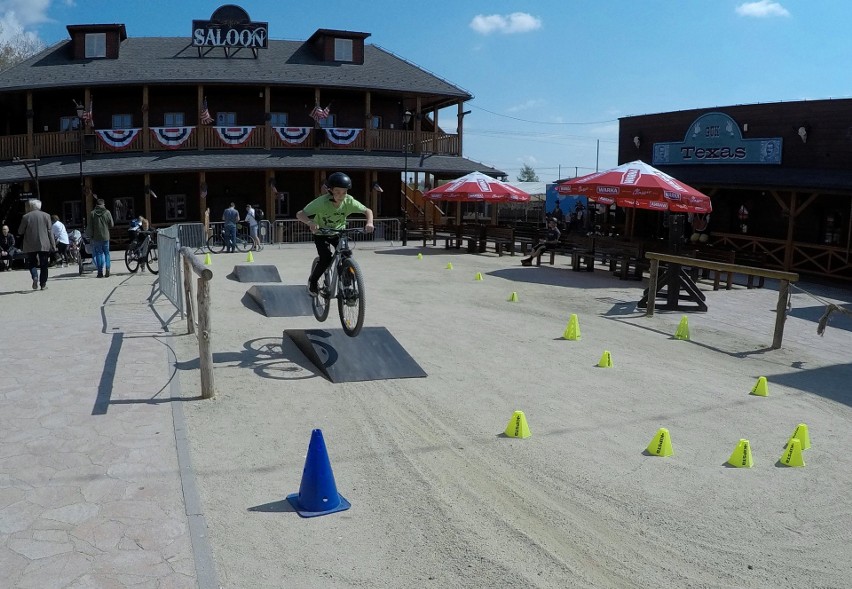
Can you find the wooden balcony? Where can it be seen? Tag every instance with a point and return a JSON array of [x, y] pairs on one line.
[[64, 143]]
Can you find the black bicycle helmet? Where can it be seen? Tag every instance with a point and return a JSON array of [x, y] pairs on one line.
[[339, 180]]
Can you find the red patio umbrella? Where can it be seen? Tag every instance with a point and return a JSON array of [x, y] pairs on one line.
[[477, 187], [638, 185]]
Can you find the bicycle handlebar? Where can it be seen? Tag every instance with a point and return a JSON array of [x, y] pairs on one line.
[[328, 231]]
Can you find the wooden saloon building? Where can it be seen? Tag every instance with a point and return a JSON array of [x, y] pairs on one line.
[[171, 127], [779, 176]]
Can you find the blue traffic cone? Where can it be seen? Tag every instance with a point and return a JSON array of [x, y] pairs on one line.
[[317, 494]]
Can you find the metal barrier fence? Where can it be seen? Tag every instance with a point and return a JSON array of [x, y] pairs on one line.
[[264, 231], [169, 278], [191, 235]]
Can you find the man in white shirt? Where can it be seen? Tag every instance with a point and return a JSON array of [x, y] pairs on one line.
[[252, 223], [60, 235]]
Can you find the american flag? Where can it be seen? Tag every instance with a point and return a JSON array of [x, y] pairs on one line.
[[87, 115], [206, 119], [320, 114]]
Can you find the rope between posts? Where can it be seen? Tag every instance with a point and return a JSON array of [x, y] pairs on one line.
[[829, 309]]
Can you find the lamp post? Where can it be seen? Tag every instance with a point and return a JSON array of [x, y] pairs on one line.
[[406, 118], [81, 110]]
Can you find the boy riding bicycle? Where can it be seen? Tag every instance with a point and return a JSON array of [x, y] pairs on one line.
[[330, 211]]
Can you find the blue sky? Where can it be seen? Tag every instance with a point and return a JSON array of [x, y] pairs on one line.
[[550, 77]]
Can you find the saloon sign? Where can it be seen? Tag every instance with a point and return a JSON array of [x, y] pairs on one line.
[[230, 27], [715, 138]]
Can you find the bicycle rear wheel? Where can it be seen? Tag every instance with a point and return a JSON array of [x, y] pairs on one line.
[[350, 300], [153, 261], [320, 303], [216, 243], [131, 259]]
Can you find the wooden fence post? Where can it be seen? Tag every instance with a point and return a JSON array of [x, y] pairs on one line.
[[780, 313]]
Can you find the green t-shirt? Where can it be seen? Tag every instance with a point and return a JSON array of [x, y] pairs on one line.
[[327, 216]]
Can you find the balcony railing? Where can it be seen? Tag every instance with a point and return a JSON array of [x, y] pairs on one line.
[[63, 143]]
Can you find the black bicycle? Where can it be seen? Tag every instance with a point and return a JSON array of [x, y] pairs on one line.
[[143, 251], [343, 280], [217, 242]]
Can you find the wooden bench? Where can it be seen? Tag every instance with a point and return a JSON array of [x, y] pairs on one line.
[[581, 248], [717, 255], [754, 260], [527, 237], [451, 234], [475, 236], [503, 238], [621, 255], [417, 230]]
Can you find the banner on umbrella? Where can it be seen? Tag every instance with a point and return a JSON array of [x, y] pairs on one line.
[[172, 137], [293, 135], [234, 136], [117, 139], [340, 136]]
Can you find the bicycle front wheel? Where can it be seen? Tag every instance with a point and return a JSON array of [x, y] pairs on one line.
[[243, 245], [153, 261], [131, 260], [350, 298], [320, 303], [216, 243]]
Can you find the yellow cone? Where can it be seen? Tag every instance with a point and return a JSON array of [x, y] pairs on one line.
[[249, 257], [419, 256], [449, 265], [792, 456], [572, 330], [207, 260], [513, 298], [518, 427], [606, 360], [761, 389], [478, 276], [661, 443], [683, 329], [741, 456], [801, 434]]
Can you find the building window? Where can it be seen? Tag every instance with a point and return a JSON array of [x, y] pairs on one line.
[[226, 119], [376, 122], [175, 207], [95, 45], [72, 213], [328, 122], [173, 119], [122, 210], [69, 124], [279, 119], [124, 121], [282, 204], [343, 50]]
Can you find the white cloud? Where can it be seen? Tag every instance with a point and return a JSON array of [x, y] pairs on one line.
[[24, 12], [517, 22], [528, 105], [762, 9]]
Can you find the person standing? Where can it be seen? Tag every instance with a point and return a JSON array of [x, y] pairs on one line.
[[38, 241], [100, 222], [252, 223], [231, 217], [60, 235]]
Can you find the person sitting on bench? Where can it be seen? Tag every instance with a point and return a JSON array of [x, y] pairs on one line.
[[551, 239]]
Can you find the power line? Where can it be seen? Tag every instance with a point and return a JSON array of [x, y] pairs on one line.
[[497, 114]]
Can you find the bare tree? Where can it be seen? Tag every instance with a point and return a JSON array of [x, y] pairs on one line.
[[17, 48]]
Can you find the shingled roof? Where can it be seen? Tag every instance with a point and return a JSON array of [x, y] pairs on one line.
[[171, 61]]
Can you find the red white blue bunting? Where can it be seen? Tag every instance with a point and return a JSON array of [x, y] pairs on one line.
[[293, 135], [117, 138], [234, 135], [172, 137], [340, 136]]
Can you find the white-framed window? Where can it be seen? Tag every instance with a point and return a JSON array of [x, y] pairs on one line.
[[226, 119], [69, 124], [328, 122], [343, 50], [72, 213], [175, 207], [95, 45], [282, 204], [173, 119], [376, 122], [122, 121], [279, 119], [122, 210]]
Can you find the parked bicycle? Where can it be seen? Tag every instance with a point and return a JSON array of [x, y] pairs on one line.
[[143, 251], [343, 280], [217, 242]]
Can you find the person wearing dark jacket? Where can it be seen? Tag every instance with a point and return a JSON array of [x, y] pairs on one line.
[[98, 226], [38, 243], [7, 249]]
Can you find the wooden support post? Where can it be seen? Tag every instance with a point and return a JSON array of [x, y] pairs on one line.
[[652, 288], [780, 312], [205, 336]]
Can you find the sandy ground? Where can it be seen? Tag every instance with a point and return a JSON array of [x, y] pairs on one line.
[[441, 498]]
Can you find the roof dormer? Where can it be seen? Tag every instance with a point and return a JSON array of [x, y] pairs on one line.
[[338, 46], [96, 41]]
